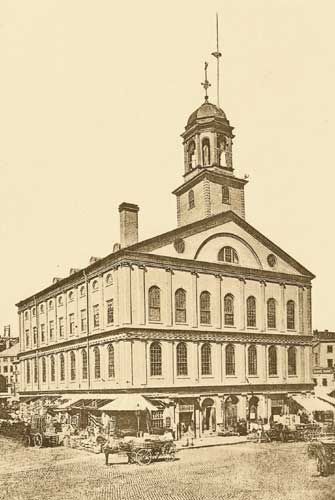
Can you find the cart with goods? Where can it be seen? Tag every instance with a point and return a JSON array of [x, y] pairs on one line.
[[41, 433], [324, 452], [142, 451]]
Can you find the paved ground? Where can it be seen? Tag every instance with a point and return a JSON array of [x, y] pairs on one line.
[[242, 472]]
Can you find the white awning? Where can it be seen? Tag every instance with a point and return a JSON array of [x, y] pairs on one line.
[[312, 403], [129, 402]]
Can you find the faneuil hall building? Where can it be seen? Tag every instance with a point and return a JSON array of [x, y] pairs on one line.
[[211, 321]]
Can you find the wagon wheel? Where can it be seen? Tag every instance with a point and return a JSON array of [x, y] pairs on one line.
[[169, 452], [131, 457], [38, 440], [322, 465], [27, 440], [143, 457]]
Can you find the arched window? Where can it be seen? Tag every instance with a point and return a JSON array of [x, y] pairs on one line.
[[155, 359], [62, 367], [225, 195], [96, 352], [84, 364], [191, 155], [44, 370], [28, 371], [252, 360], [72, 365], [52, 368], [180, 306], [290, 315], [292, 361], [111, 361], [191, 202], [35, 371], [206, 152], [272, 360], [181, 359], [154, 304], [228, 303], [230, 360], [206, 360], [271, 313], [251, 311], [229, 255], [205, 308]]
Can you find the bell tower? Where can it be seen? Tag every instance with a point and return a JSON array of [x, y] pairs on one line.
[[210, 186]]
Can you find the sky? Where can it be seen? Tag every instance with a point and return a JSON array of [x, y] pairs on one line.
[[95, 94]]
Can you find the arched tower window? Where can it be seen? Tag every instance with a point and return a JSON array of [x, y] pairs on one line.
[[251, 311], [205, 308], [180, 306], [44, 370], [230, 360], [191, 155], [292, 361], [206, 359], [271, 313], [96, 352], [111, 361], [229, 255], [155, 359], [72, 365], [62, 367], [228, 310], [206, 152], [225, 195], [290, 315], [84, 364], [252, 360], [154, 304], [272, 360], [191, 202], [52, 368], [181, 359]]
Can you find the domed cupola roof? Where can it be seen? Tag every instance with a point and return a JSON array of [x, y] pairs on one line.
[[205, 111]]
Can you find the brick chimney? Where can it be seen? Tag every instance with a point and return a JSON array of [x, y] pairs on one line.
[[128, 224]]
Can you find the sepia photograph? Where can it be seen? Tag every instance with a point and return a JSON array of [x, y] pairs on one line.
[[167, 324]]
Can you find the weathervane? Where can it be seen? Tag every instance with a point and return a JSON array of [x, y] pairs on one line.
[[217, 54], [206, 83]]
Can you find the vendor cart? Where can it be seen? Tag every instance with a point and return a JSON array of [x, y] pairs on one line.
[[142, 452], [39, 433], [324, 451]]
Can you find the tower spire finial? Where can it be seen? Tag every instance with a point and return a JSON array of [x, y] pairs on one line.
[[206, 83], [217, 54]]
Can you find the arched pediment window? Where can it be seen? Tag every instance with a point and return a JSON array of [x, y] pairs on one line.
[[154, 303], [62, 367], [52, 368], [228, 310], [180, 305], [44, 370], [225, 195], [251, 311], [181, 359], [96, 352], [72, 365], [229, 255], [292, 361], [205, 308], [84, 367], [290, 315], [206, 359], [191, 155], [191, 202], [252, 360], [272, 360], [111, 361], [230, 360], [155, 359], [206, 152], [271, 313]]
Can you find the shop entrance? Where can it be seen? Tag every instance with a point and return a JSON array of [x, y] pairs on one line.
[[253, 409], [230, 413], [209, 415]]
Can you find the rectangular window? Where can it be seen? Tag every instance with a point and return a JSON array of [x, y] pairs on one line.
[[96, 316], [27, 338], [42, 332], [71, 323], [330, 363], [51, 329], [61, 327], [329, 348], [5, 369], [83, 320], [157, 419], [316, 358], [35, 335], [110, 311], [324, 382]]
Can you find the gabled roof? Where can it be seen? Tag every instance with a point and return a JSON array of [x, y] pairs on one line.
[[12, 351], [209, 222]]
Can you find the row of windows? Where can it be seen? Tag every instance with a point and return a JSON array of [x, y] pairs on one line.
[[206, 360], [73, 366], [154, 301], [71, 323], [70, 296], [156, 362], [225, 197]]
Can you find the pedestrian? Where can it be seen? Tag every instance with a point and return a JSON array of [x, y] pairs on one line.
[[259, 432]]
